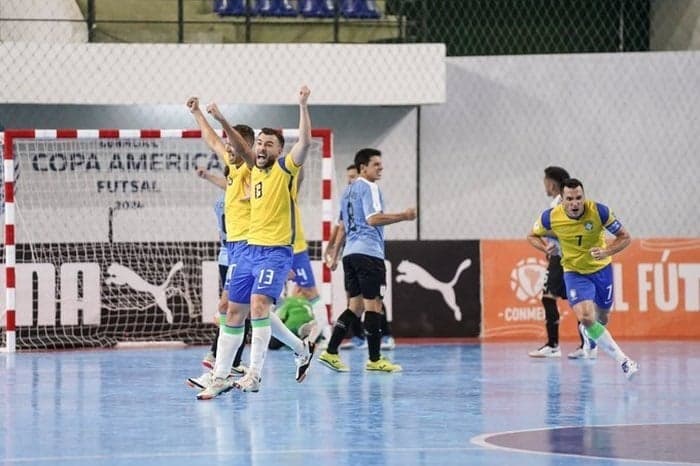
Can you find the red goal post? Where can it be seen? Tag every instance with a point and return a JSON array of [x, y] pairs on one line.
[[82, 203]]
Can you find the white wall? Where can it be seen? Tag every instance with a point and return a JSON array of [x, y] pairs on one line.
[[625, 124], [152, 74]]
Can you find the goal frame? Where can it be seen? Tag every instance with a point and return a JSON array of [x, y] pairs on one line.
[[10, 230]]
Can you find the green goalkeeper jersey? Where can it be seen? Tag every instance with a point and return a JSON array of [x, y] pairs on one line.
[[295, 312]]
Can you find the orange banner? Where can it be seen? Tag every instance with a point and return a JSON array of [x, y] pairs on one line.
[[657, 291]]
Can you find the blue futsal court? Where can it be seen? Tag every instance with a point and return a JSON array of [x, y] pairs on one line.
[[476, 404]]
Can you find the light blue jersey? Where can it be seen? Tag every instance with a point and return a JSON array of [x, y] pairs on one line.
[[360, 201], [221, 223]]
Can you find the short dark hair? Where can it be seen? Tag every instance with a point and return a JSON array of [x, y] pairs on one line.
[[363, 155], [352, 166], [557, 174], [246, 132], [571, 183], [274, 132]]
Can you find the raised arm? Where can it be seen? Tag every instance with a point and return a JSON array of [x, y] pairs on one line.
[[300, 150], [216, 180], [381, 219], [240, 146], [208, 134]]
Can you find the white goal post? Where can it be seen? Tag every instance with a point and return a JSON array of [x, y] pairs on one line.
[[110, 236]]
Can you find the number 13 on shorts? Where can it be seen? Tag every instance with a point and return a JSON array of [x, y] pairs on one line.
[[266, 277]]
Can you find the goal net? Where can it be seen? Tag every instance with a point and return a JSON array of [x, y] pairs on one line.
[[110, 235]]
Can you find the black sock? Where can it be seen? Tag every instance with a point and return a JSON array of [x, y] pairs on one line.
[[551, 314], [344, 321], [215, 343], [386, 326], [373, 331], [247, 329], [580, 334], [356, 329]]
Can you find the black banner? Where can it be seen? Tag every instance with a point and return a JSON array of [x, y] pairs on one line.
[[435, 288], [104, 293]]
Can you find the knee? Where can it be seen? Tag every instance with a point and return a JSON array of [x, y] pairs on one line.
[[260, 305], [602, 316], [235, 315], [587, 321]]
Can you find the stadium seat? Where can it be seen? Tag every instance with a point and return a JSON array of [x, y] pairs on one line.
[[360, 9], [317, 8], [230, 7], [275, 8]]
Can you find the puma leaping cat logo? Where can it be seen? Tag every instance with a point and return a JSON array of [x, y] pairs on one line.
[[120, 275], [413, 273]]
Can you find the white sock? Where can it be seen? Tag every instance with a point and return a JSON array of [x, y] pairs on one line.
[[227, 345], [607, 342], [259, 343], [586, 339], [321, 316], [286, 336]]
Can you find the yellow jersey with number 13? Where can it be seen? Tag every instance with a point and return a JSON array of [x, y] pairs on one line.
[[273, 196], [578, 235]]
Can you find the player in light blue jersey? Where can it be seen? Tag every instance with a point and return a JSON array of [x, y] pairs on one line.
[[363, 216], [336, 243]]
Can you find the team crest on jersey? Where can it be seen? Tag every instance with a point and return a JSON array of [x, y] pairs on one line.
[[588, 226]]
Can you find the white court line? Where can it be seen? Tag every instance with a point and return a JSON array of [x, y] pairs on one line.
[[246, 453], [482, 441]]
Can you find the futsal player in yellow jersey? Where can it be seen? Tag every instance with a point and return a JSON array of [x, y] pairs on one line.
[[580, 226], [236, 219], [262, 270]]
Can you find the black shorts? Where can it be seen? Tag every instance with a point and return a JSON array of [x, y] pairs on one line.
[[364, 275], [554, 280]]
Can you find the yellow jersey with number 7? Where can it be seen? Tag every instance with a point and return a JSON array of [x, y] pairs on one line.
[[578, 235]]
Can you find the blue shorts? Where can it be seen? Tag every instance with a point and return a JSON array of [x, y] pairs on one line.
[[234, 249], [260, 270], [597, 286], [303, 273]]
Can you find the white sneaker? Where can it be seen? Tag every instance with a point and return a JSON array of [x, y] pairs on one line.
[[238, 370], [629, 367], [388, 343], [579, 353], [201, 382], [249, 382], [216, 388], [546, 351], [593, 354], [303, 361]]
